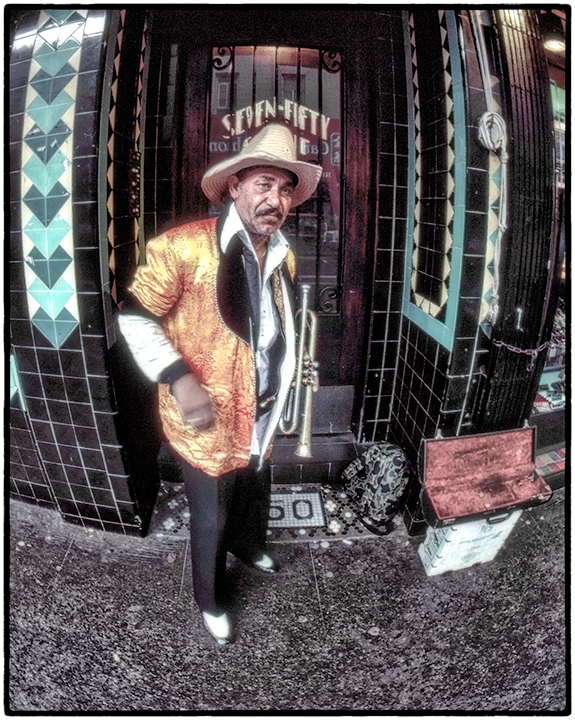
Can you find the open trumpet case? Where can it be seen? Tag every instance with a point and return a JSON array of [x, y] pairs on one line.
[[478, 476]]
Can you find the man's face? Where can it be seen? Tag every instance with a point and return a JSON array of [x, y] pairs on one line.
[[263, 198]]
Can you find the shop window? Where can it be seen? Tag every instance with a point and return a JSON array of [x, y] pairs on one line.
[[300, 87]]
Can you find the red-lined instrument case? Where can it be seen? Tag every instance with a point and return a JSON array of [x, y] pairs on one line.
[[476, 476]]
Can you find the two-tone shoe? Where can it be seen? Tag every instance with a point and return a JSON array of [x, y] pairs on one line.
[[266, 564], [219, 626]]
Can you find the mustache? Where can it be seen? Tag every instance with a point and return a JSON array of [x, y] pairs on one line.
[[269, 212]]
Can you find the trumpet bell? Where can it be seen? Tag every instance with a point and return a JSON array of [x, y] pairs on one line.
[[303, 449]]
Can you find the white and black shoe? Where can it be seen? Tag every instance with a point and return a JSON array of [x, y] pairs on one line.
[[219, 626], [265, 563]]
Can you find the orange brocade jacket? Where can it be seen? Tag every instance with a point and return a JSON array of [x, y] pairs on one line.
[[201, 302]]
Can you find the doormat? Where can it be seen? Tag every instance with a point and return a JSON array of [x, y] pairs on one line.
[[298, 513]]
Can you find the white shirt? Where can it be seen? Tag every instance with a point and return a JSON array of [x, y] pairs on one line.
[[269, 324], [268, 320]]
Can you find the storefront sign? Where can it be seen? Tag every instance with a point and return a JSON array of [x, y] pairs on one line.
[[254, 116]]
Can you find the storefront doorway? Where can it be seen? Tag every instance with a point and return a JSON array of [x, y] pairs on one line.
[[207, 92]]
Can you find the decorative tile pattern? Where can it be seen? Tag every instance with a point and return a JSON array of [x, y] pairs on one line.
[[16, 394], [446, 207], [296, 509], [419, 266], [341, 519], [46, 183], [171, 515], [117, 212]]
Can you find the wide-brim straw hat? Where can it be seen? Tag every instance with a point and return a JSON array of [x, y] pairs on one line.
[[273, 146]]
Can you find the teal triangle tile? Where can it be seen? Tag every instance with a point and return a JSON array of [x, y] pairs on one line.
[[66, 323], [57, 35], [56, 331], [58, 190], [46, 176], [46, 239], [46, 208], [55, 202], [76, 17], [65, 25], [59, 16], [47, 116], [59, 254], [14, 377], [51, 269], [14, 393], [45, 145], [52, 61], [49, 87], [46, 326], [15, 384], [52, 301], [496, 176], [37, 205]]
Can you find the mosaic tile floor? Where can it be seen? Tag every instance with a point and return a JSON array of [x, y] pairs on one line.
[[309, 512], [298, 512]]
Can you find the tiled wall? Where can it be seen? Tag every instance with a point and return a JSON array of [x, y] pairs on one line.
[[27, 476], [419, 363], [420, 377], [159, 153], [65, 447], [392, 222], [428, 366]]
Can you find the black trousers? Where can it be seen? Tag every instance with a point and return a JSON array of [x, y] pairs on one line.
[[227, 514]]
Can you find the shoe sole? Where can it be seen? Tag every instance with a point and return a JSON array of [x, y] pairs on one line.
[[266, 570]]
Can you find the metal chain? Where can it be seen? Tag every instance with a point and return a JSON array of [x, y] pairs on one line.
[[524, 351]]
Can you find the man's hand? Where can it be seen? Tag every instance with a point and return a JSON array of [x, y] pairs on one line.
[[195, 402]]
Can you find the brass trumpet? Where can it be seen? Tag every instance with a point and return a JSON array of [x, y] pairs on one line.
[[304, 376]]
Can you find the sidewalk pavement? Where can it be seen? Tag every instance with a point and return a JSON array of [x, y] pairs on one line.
[[103, 623]]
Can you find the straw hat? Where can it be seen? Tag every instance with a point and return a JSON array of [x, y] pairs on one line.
[[273, 146]]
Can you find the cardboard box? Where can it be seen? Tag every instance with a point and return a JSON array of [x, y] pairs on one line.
[[462, 545], [476, 476]]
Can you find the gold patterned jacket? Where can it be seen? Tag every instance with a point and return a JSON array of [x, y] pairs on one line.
[[200, 297]]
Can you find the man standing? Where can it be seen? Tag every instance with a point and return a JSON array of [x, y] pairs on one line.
[[210, 318]]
